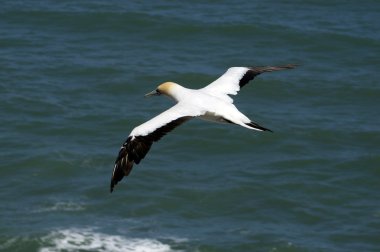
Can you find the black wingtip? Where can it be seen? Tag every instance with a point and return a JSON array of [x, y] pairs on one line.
[[289, 66], [113, 183], [121, 168], [262, 69], [112, 186], [256, 70]]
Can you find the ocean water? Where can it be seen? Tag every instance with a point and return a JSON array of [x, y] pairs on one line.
[[72, 79]]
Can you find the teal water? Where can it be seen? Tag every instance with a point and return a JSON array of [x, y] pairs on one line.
[[72, 79]]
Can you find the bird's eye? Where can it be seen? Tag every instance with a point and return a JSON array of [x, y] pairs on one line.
[[158, 91]]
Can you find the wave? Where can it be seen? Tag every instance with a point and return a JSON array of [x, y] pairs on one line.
[[89, 240], [62, 206]]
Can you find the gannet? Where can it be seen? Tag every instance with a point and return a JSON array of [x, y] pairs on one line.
[[212, 103]]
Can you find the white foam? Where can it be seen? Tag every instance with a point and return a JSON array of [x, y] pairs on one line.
[[88, 240]]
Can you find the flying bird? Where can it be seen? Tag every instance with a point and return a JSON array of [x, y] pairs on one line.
[[212, 103]]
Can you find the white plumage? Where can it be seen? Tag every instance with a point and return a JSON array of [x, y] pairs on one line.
[[211, 103]]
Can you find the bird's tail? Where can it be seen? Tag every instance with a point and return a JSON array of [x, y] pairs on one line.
[[255, 126]]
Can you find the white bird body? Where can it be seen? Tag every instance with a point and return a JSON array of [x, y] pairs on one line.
[[211, 103], [196, 103]]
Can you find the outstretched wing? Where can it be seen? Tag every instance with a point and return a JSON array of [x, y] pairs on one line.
[[237, 77], [142, 137]]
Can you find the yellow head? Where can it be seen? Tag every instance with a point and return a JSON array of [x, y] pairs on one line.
[[164, 88]]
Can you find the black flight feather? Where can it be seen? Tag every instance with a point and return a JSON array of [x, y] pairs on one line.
[[135, 148], [252, 72]]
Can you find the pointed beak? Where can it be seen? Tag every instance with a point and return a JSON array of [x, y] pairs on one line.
[[154, 92]]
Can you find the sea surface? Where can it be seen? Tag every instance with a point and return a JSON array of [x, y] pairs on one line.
[[72, 79]]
